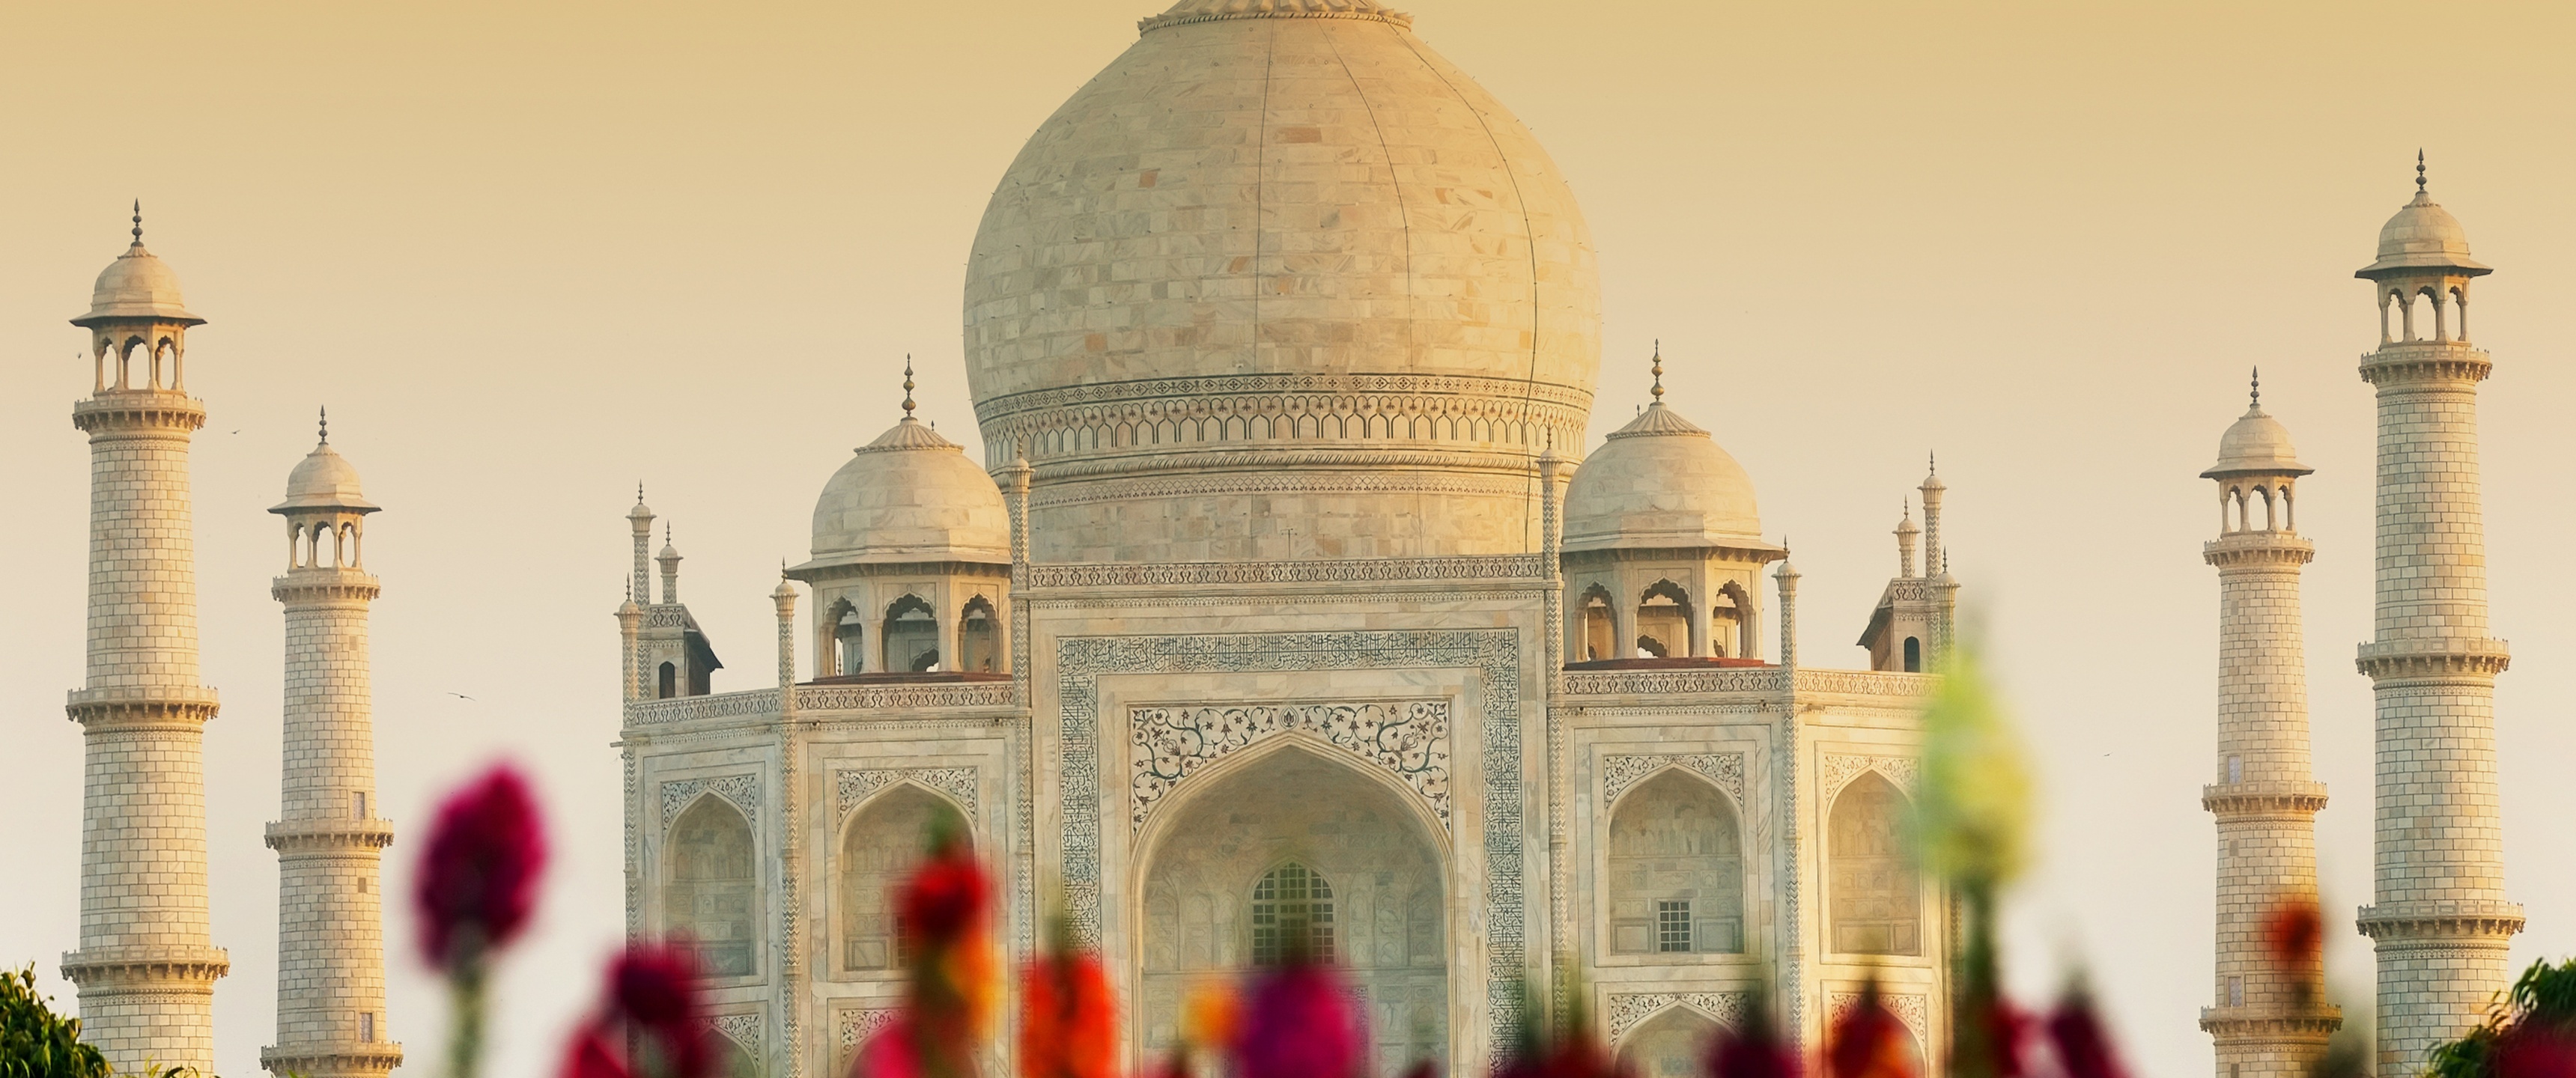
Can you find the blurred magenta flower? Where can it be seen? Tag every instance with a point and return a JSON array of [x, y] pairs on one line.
[[2534, 1051], [1754, 1048], [1299, 1021], [2083, 1045], [654, 1012], [478, 875]]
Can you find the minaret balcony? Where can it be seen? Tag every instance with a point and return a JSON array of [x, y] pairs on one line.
[[148, 408], [2441, 920], [2315, 1022], [307, 836], [2287, 800], [2417, 361], [2433, 658]]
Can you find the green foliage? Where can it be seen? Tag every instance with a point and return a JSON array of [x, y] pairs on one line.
[[2540, 1005], [1974, 819], [37, 1043]]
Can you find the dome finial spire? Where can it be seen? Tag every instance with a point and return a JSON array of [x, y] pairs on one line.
[[2419, 170], [1659, 370], [907, 385], [2255, 394], [138, 222], [326, 440]]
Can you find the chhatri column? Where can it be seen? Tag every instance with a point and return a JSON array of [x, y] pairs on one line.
[[2270, 1019], [2438, 914], [146, 968], [328, 838]]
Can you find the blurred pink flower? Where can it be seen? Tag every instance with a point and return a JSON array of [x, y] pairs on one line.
[[652, 1011], [2083, 1045], [478, 875], [1299, 1022]]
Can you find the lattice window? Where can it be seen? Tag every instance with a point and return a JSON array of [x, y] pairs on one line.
[[1673, 926], [1292, 906]]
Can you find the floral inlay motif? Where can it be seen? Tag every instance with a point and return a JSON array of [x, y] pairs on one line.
[[1409, 738]]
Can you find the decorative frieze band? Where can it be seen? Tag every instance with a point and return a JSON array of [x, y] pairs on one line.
[[1407, 738], [1357, 570], [813, 698], [1904, 771], [1628, 1010], [856, 786], [742, 791], [1726, 769], [1909, 1009]]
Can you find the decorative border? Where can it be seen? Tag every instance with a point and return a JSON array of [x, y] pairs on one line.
[[902, 697], [1726, 769], [854, 786], [1904, 771], [742, 1029], [742, 791], [1909, 1009], [1407, 738], [852, 1026], [1306, 571], [1494, 653], [1628, 1010], [724, 705], [1720, 679]]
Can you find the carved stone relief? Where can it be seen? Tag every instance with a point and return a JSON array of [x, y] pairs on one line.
[[852, 787], [1407, 738], [1628, 1010], [1726, 769], [1913, 1010], [1904, 771], [742, 791]]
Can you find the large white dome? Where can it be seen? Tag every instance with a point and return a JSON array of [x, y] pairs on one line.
[[1282, 260]]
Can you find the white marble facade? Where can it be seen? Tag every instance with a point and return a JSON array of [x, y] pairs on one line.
[[1253, 629]]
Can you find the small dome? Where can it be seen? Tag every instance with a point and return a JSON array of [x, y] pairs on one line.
[[911, 495], [323, 480], [137, 285], [1190, 11], [2423, 235], [2256, 444], [1661, 481]]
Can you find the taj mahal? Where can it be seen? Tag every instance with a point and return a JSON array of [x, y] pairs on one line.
[[1285, 599]]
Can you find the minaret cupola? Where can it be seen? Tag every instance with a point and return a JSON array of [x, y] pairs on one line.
[[138, 324], [2423, 272], [2257, 472], [325, 513]]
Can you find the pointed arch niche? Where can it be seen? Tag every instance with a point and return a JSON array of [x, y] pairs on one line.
[[711, 887], [1292, 815], [1676, 868], [1875, 892], [1673, 1044], [881, 844]]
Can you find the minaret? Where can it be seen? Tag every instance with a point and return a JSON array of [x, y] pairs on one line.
[[146, 967], [2270, 1020], [2438, 913], [328, 838]]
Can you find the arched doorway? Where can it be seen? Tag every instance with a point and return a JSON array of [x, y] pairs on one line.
[[887, 839], [712, 890], [1674, 1044], [1676, 869], [1877, 893], [1296, 840]]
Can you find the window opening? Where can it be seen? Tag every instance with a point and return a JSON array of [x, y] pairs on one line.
[[1292, 909], [1673, 926], [851, 637]]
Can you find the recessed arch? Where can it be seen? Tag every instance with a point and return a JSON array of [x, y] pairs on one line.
[[1875, 897], [1291, 801], [882, 841], [711, 886], [1676, 868], [979, 637], [1672, 1044], [848, 631], [1600, 639], [911, 635], [1663, 620]]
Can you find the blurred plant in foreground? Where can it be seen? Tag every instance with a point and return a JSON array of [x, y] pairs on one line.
[[650, 1022], [2529, 1033], [1298, 1021], [477, 887], [1755, 1048], [943, 916], [1566, 1047], [1069, 1014]]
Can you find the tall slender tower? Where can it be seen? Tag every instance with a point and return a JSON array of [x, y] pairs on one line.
[[2439, 917], [2270, 1020], [328, 838], [146, 968]]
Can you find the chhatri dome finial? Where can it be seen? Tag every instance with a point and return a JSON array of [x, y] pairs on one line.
[[1659, 370], [2254, 402], [326, 440], [2419, 170], [907, 385], [138, 222]]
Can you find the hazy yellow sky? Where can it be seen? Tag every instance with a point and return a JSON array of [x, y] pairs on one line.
[[530, 253]]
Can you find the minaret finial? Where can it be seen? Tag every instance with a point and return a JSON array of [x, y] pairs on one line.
[[2419, 176], [1659, 370], [639, 492], [907, 385], [326, 430], [2256, 393], [1932, 461], [138, 222]]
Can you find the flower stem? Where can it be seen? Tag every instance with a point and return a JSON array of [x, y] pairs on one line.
[[465, 1000]]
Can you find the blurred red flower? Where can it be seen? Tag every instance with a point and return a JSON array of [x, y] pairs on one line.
[[1870, 1042], [2534, 1051], [2083, 1045], [1069, 1025], [653, 1009], [478, 874], [1754, 1049], [2294, 930]]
